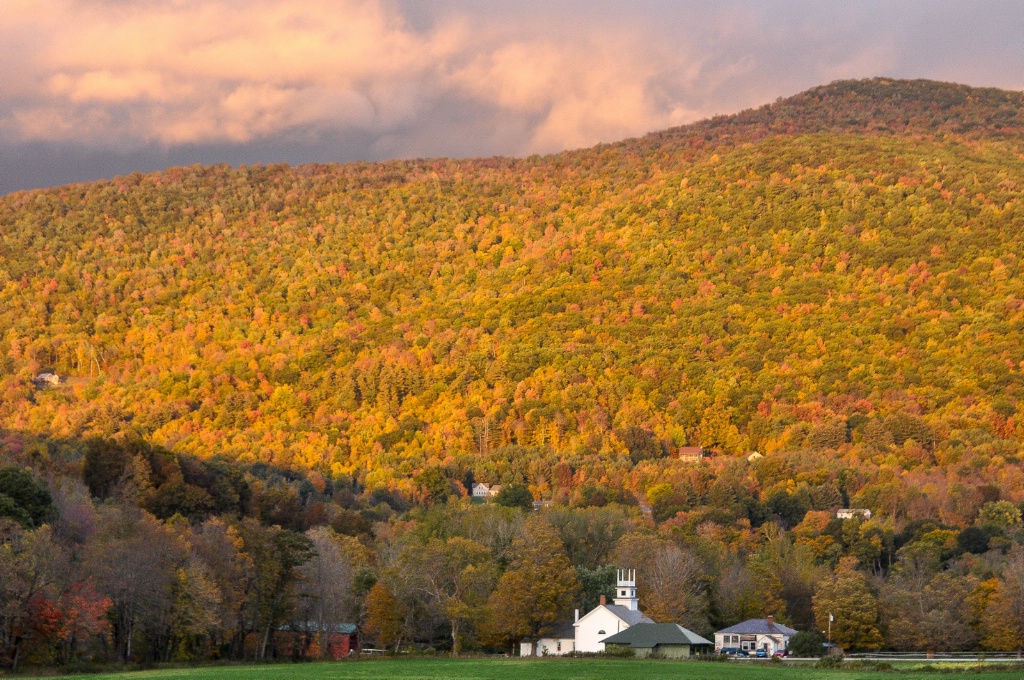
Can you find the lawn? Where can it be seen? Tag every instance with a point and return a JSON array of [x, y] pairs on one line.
[[530, 669]]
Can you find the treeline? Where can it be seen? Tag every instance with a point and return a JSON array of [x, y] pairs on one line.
[[119, 551]]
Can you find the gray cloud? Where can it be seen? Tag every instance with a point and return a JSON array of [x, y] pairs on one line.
[[93, 88]]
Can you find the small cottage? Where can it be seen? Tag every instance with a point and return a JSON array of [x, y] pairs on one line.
[[850, 513], [665, 639], [691, 454], [754, 634], [559, 642]]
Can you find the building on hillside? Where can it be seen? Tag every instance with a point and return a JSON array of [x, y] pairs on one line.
[[754, 634], [608, 619], [666, 639], [481, 490], [44, 379], [850, 513], [306, 641], [691, 454]]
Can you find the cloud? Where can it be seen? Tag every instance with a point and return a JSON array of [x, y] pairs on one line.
[[186, 71], [177, 72], [370, 79]]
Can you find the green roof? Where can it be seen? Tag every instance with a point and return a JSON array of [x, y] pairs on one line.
[[653, 634]]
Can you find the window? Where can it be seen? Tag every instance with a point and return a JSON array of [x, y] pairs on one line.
[[600, 632], [622, 593], [559, 645]]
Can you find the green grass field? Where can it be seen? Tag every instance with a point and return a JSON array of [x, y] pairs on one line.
[[534, 669]]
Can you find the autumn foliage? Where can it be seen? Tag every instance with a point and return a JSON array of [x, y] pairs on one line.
[[276, 379]]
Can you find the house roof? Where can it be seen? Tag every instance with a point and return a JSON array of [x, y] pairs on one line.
[[759, 627], [630, 617], [314, 627], [563, 631], [653, 634]]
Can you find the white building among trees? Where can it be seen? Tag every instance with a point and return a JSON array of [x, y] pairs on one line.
[[606, 620], [587, 633], [481, 490]]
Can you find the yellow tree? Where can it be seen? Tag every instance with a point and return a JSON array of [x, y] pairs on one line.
[[384, 616], [847, 599], [538, 589], [1004, 617]]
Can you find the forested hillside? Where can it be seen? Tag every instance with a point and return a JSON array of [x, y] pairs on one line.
[[833, 281], [589, 306]]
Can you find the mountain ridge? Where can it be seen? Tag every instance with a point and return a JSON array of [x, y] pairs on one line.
[[875, 105]]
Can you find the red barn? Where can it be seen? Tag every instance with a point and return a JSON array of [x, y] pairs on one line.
[[305, 640]]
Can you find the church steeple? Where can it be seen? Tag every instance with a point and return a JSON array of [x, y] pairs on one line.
[[625, 590]]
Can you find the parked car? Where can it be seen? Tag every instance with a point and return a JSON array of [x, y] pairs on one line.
[[761, 654], [781, 653], [734, 651]]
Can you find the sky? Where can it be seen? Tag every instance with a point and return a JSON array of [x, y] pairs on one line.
[[92, 89]]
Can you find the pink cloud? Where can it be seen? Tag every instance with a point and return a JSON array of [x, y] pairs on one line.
[[190, 71], [524, 77]]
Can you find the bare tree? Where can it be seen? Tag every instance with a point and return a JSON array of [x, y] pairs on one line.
[[325, 587], [670, 580], [134, 558]]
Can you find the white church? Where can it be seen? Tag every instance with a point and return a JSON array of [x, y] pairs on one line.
[[587, 633]]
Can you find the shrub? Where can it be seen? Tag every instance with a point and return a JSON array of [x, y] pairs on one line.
[[807, 644], [831, 661]]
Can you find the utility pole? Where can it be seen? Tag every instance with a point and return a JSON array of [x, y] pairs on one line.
[[830, 619]]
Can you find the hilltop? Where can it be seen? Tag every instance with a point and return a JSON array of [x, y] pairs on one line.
[[878, 105], [834, 277]]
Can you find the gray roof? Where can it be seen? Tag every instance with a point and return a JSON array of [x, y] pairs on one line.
[[630, 616], [759, 627], [314, 627], [562, 631], [653, 634]]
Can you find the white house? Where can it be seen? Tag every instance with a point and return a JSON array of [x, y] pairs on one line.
[[559, 642], [755, 634], [850, 513], [606, 619], [481, 490]]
